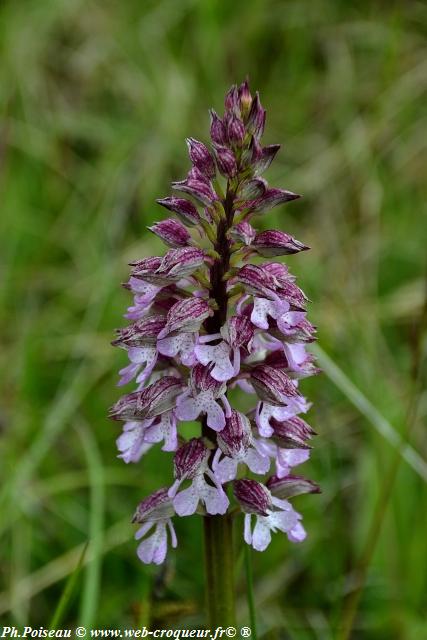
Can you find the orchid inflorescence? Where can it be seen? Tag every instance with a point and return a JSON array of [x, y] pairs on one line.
[[206, 320]]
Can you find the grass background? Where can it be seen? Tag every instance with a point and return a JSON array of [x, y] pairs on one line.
[[96, 100]]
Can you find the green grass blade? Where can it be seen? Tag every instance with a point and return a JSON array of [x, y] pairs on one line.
[[91, 587], [68, 592], [366, 408]]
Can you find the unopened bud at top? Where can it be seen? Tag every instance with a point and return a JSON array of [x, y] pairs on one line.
[[183, 208], [172, 232], [256, 118], [276, 243], [201, 158], [218, 131]]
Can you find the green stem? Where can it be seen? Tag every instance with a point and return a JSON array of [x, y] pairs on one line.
[[219, 571], [219, 559], [250, 591]]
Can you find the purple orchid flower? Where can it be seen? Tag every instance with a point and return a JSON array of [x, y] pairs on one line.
[[235, 336], [191, 463], [155, 511], [236, 445], [271, 514], [202, 397]]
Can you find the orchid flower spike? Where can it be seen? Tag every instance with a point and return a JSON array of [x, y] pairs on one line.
[[219, 310]]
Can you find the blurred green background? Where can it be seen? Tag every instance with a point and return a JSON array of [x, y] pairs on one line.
[[96, 100]]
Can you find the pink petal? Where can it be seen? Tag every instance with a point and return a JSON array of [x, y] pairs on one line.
[[226, 469], [256, 462], [215, 416], [261, 536], [188, 409], [247, 535], [154, 548], [297, 533], [186, 501]]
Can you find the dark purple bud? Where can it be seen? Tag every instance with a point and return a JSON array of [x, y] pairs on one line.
[[251, 189], [276, 243], [245, 98], [243, 232], [232, 98], [252, 496], [226, 161], [146, 265], [218, 132], [257, 282], [239, 331], [235, 129], [271, 198], [179, 263], [176, 264], [290, 486], [292, 433], [156, 507], [140, 333], [185, 209], [235, 438], [273, 385], [201, 158], [189, 457], [172, 232], [283, 284], [254, 153], [151, 401], [256, 119], [289, 291], [262, 158], [186, 316], [201, 380], [197, 186]]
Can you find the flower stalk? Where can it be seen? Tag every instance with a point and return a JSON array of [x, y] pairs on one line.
[[209, 316], [219, 571]]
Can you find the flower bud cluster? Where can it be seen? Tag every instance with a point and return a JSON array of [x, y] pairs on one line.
[[211, 315]]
